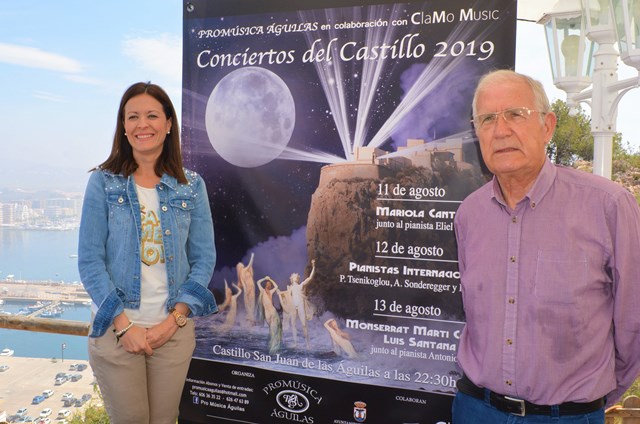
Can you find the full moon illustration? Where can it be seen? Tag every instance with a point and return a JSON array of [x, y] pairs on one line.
[[250, 117]]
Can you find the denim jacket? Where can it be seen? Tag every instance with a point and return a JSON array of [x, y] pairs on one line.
[[109, 245]]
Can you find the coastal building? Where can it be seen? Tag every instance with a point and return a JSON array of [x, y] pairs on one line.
[[7, 214], [46, 212]]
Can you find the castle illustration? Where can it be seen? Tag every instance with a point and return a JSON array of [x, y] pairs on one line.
[[375, 163]]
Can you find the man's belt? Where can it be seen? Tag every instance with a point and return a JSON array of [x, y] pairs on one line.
[[521, 407]]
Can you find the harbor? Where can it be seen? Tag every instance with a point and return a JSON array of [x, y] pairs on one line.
[[23, 377], [42, 291], [38, 318]]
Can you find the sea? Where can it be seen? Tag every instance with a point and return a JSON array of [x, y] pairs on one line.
[[42, 255]]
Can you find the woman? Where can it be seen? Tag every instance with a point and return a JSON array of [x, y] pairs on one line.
[[146, 255]]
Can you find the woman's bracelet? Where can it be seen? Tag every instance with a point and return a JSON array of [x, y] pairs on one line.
[[121, 333]]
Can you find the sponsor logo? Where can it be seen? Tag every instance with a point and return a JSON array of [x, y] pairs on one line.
[[292, 401], [359, 411]]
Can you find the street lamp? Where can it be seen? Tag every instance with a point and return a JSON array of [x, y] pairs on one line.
[[573, 29], [62, 348], [626, 14]]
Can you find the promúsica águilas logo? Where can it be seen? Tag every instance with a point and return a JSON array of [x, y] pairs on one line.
[[292, 401]]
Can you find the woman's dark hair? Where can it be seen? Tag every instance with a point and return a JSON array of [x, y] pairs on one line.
[[121, 159]]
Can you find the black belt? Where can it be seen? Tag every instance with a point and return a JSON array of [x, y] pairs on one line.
[[521, 407]]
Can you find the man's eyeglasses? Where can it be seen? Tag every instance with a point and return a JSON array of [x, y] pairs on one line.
[[514, 115]]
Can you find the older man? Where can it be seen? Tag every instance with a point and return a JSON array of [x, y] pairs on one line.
[[550, 273]]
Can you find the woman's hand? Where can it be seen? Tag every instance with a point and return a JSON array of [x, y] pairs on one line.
[[135, 341], [161, 333]]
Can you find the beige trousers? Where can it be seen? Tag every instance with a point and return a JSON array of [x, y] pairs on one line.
[[141, 389]]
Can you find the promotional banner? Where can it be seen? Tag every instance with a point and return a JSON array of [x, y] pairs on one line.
[[335, 141]]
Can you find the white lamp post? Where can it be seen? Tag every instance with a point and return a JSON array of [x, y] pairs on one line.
[[573, 29]]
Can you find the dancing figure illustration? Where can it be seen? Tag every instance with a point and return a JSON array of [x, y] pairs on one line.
[[304, 310], [245, 281], [340, 339], [270, 314], [233, 309]]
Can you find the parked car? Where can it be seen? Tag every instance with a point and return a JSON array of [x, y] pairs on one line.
[[48, 393], [67, 395], [60, 381], [63, 413], [38, 399], [3, 368], [81, 367], [46, 412], [73, 367], [21, 412], [45, 420], [69, 402], [84, 399], [76, 377], [61, 375]]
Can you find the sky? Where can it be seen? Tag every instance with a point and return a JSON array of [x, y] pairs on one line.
[[65, 64]]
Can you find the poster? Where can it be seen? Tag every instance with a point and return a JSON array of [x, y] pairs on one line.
[[335, 141]]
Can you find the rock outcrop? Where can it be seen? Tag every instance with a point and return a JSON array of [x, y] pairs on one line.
[[345, 230]]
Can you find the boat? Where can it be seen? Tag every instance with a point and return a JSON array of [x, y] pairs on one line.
[[6, 352], [36, 306], [52, 313]]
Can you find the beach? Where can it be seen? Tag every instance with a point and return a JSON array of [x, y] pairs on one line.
[[28, 377]]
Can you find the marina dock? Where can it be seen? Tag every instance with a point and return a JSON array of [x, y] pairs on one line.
[[34, 291], [44, 305]]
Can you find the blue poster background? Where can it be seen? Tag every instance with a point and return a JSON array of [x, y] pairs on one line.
[[335, 142]]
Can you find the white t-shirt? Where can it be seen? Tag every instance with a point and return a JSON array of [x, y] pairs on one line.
[[153, 275]]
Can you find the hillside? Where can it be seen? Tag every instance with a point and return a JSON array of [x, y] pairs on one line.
[[623, 173]]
